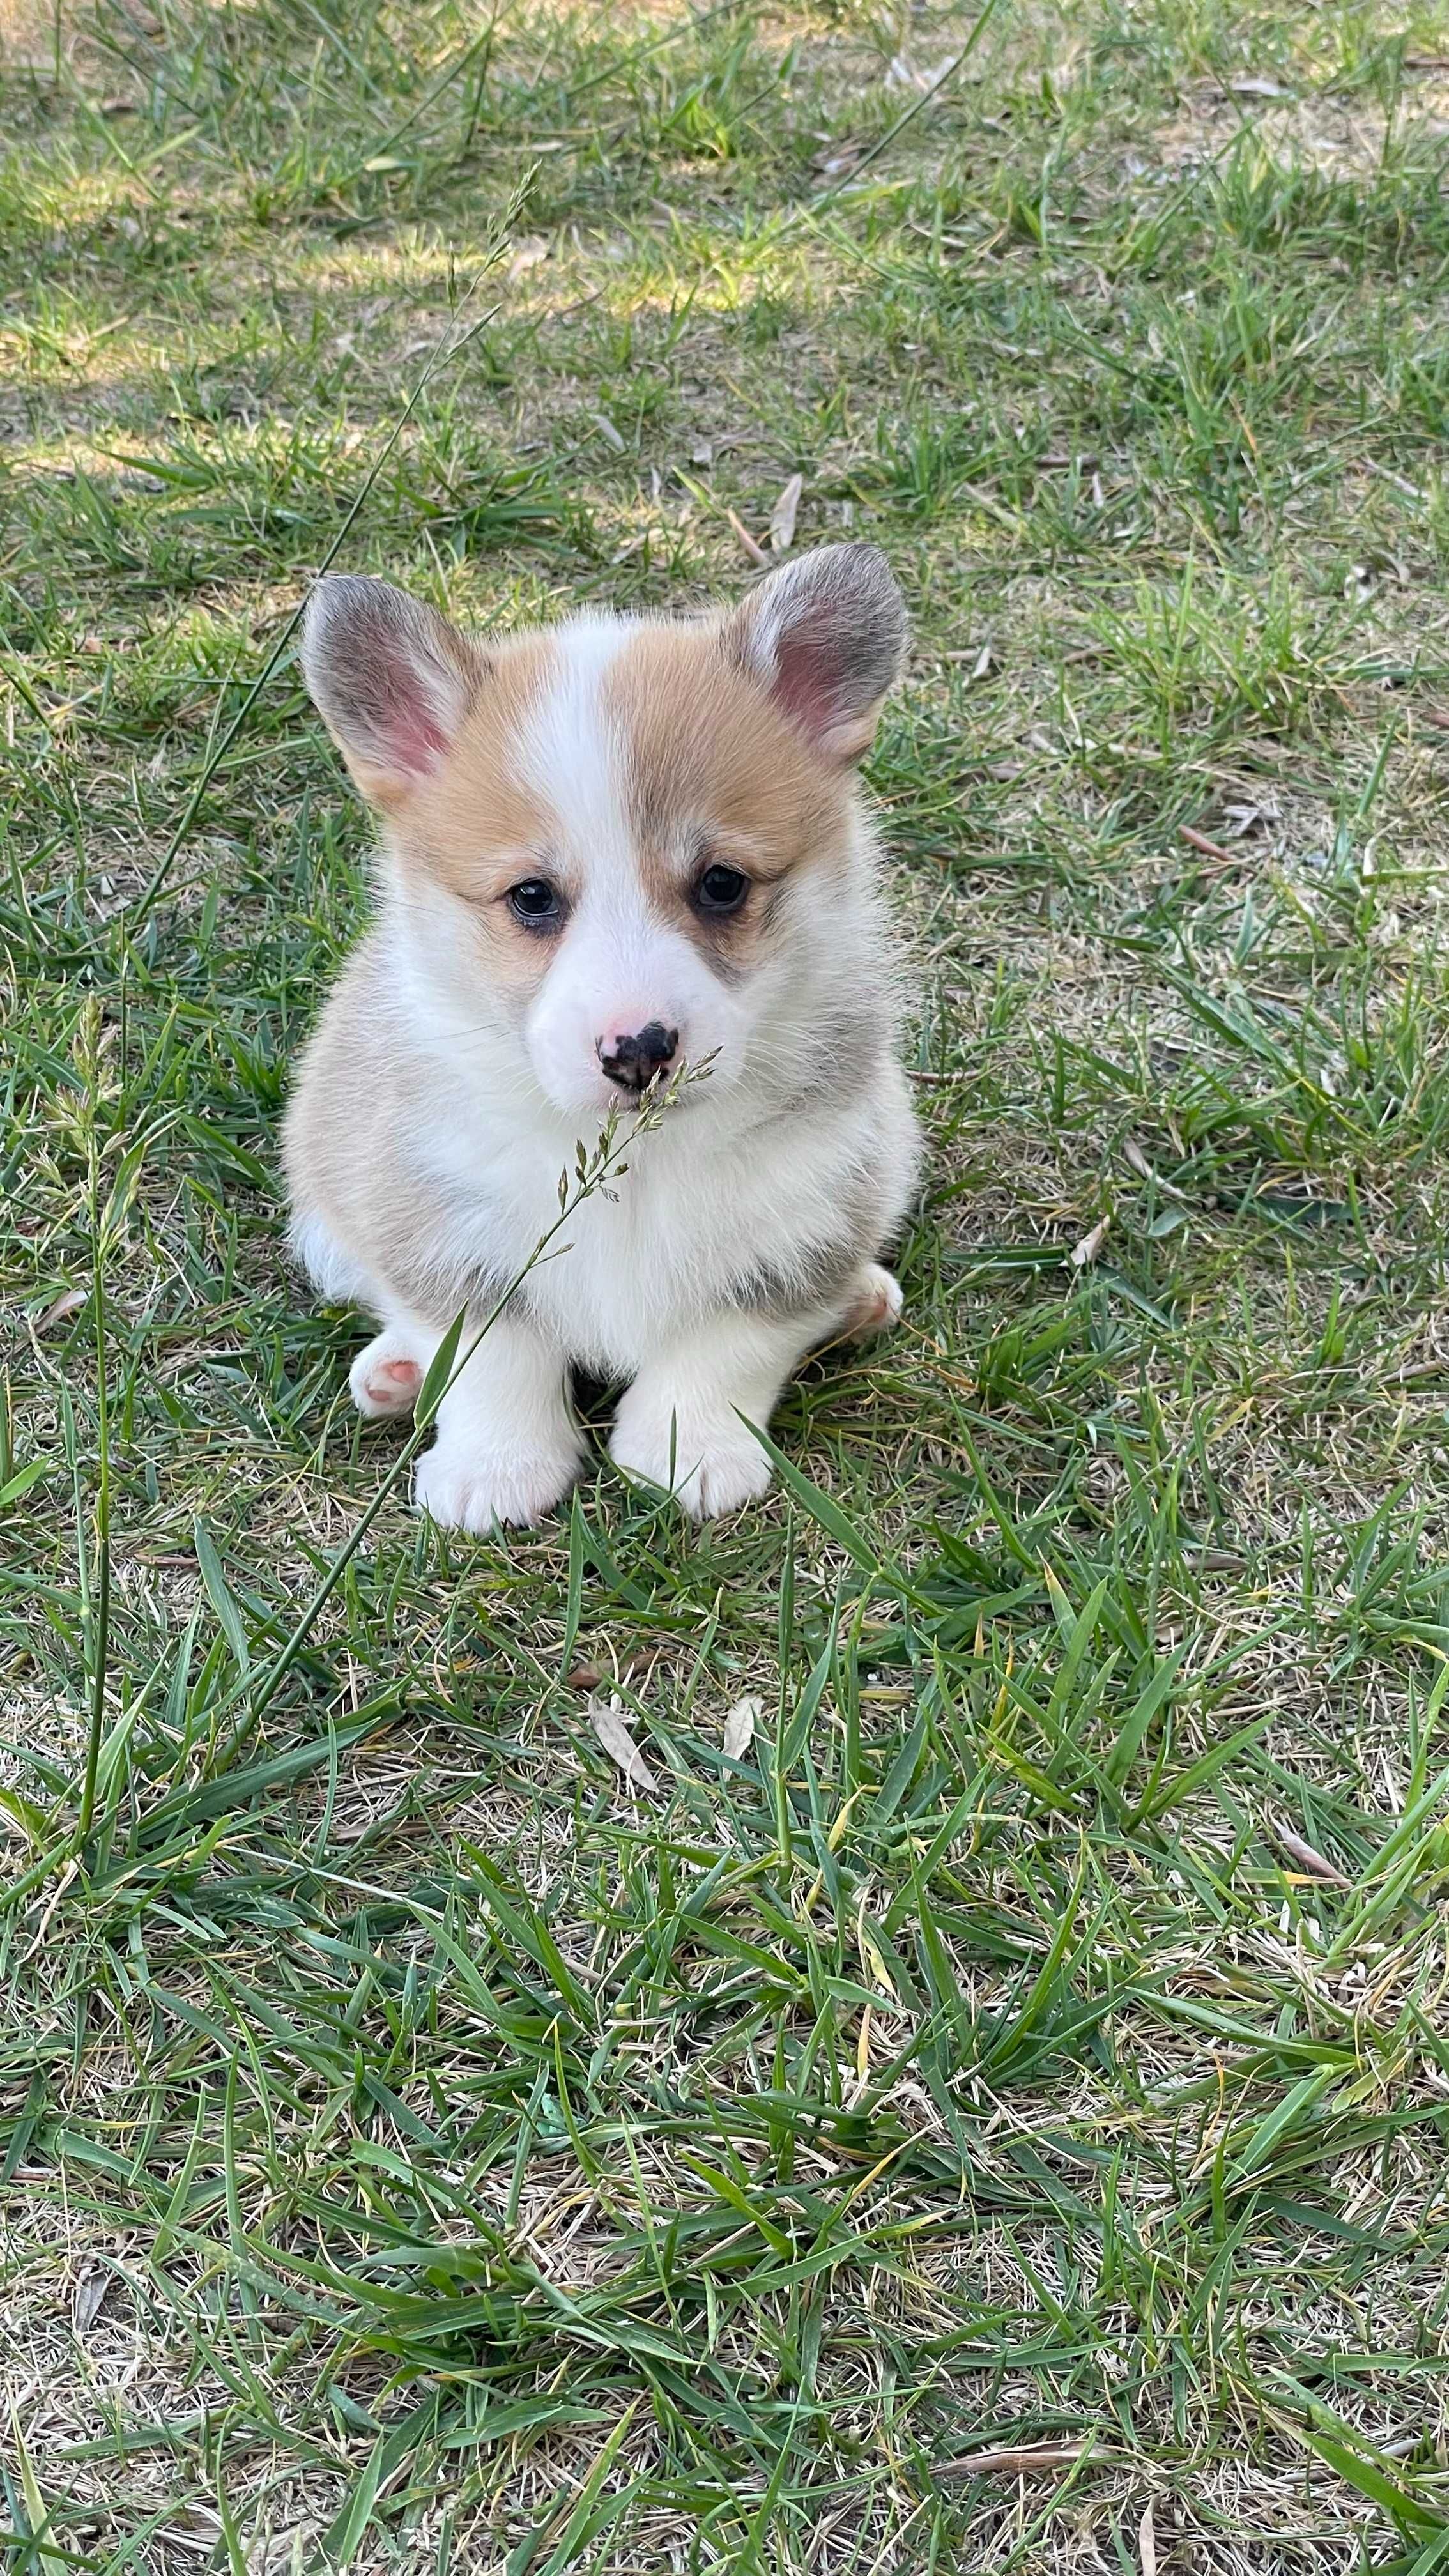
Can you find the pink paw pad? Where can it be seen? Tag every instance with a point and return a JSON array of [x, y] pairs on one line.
[[385, 1380], [877, 1304], [393, 1383]]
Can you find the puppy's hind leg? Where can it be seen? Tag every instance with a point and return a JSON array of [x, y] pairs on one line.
[[873, 1303], [386, 1377]]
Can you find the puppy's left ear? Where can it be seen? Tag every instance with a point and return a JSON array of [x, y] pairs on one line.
[[826, 635]]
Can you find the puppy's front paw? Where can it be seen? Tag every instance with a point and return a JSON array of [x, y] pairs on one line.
[[385, 1378], [475, 1489], [710, 1467]]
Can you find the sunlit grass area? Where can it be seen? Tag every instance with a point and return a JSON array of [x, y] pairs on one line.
[[991, 2112]]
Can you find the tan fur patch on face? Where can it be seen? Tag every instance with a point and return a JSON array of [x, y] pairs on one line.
[[709, 771], [713, 772], [476, 828]]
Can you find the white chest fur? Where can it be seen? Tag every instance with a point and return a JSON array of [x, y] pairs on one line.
[[703, 1203]]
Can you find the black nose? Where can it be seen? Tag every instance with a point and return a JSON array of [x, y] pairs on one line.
[[633, 1062]]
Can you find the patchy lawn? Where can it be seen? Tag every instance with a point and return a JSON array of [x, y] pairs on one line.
[[996, 2118]]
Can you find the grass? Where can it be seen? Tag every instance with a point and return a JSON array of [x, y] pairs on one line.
[[997, 2119]]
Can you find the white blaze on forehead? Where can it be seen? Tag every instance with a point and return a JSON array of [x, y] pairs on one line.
[[618, 966], [569, 755]]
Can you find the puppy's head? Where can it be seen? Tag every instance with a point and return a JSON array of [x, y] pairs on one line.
[[626, 840]]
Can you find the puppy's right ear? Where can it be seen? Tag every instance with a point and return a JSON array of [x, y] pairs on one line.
[[391, 678]]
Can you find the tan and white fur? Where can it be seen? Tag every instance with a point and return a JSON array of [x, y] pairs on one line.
[[609, 850]]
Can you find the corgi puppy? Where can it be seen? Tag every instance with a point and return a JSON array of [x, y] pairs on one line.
[[611, 851]]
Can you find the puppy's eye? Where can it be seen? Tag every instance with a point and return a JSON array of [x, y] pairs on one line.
[[536, 903], [721, 889]]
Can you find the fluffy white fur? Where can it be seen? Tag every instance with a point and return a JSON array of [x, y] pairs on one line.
[[716, 1263]]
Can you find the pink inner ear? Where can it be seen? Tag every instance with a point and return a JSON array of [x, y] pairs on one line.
[[807, 677], [409, 728]]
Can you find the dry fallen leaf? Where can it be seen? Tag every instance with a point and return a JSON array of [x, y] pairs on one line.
[[1209, 848], [1313, 1861], [67, 1303], [782, 517], [752, 546], [1132, 1153], [1250, 818], [1090, 1245], [607, 1721], [740, 1726], [979, 657], [90, 2297], [902, 73], [1147, 2542], [196, 2529], [1016, 2460], [589, 1675], [530, 252], [606, 428]]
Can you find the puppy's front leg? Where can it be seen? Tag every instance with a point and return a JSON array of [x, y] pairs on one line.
[[679, 1423], [507, 1448]]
